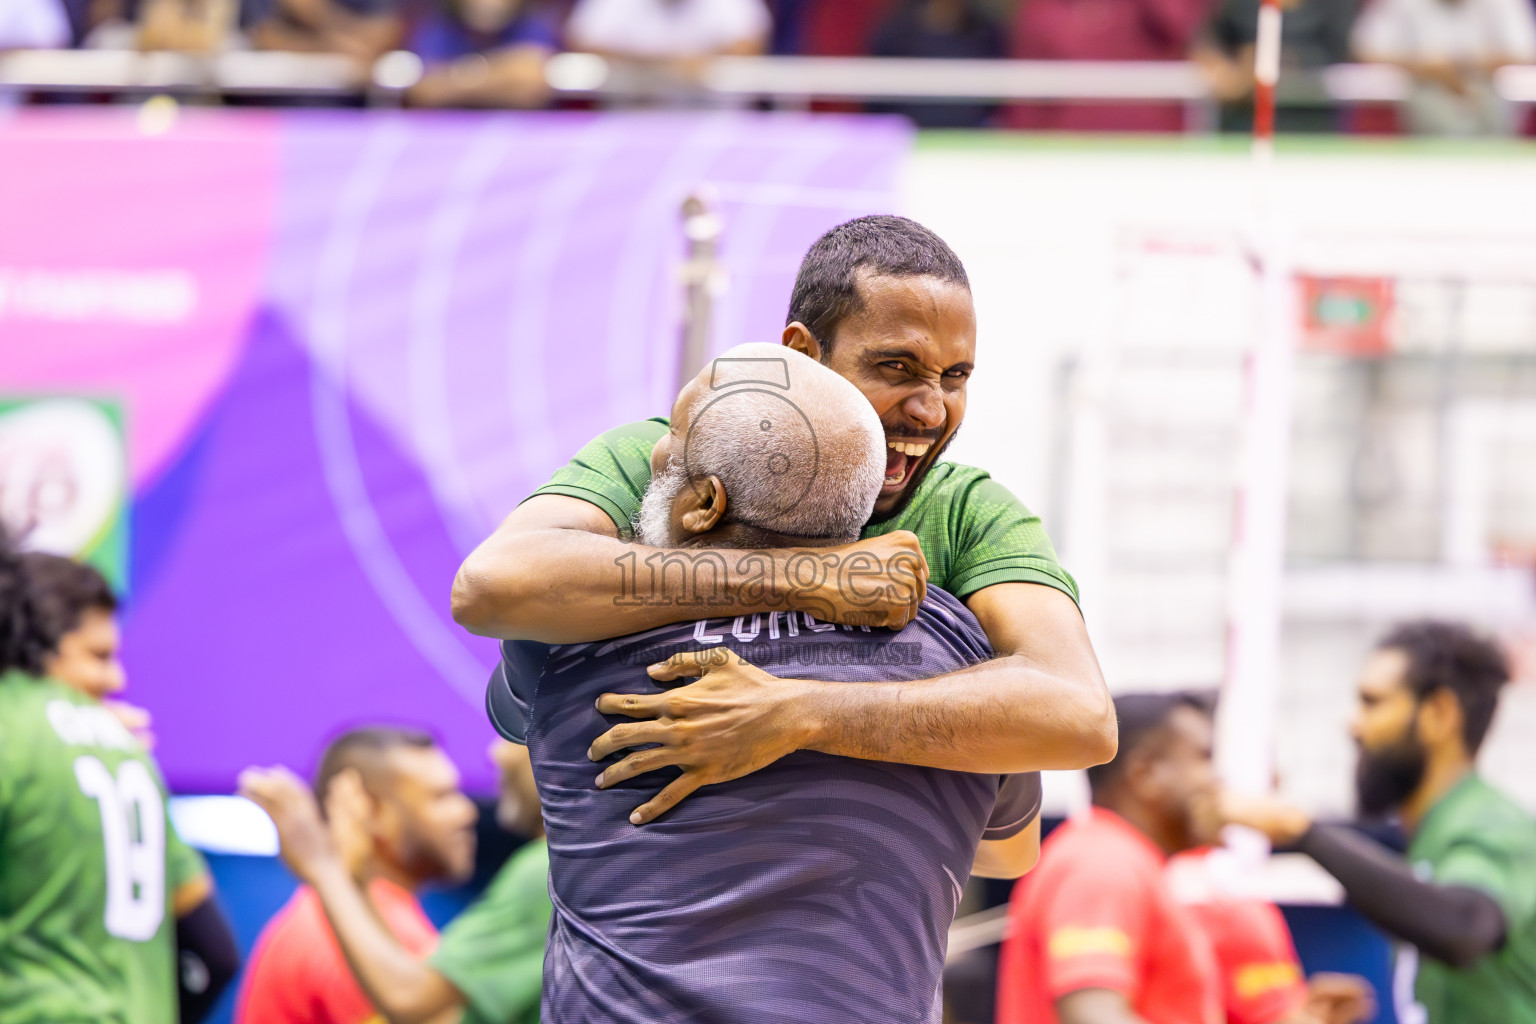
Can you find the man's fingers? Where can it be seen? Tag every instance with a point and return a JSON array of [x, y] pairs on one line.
[[692, 663], [622, 736], [637, 764], [677, 790], [257, 784], [254, 788], [268, 788], [635, 705]]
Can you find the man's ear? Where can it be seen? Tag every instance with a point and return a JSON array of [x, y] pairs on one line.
[[1440, 718], [703, 504], [799, 337]]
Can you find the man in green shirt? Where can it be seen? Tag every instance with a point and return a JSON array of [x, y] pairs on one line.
[[96, 888], [488, 967], [1464, 903], [886, 304]]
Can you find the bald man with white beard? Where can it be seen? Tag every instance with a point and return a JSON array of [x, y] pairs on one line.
[[820, 888]]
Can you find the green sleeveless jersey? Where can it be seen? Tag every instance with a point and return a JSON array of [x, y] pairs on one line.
[[88, 864], [973, 531], [1476, 837]]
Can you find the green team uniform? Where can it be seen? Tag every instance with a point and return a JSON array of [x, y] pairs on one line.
[[494, 951], [1477, 837], [973, 531], [88, 864]]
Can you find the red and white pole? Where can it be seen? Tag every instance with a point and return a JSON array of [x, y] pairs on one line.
[[1256, 576], [1266, 73]]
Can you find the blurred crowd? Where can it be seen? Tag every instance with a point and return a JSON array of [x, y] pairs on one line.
[[492, 52]]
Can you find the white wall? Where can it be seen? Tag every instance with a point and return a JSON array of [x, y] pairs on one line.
[[1043, 229]]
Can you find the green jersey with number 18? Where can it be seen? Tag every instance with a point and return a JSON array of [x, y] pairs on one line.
[[88, 864]]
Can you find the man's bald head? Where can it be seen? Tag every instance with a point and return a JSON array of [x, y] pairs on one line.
[[770, 443]]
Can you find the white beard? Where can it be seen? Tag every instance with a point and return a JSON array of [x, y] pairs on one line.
[[653, 526]]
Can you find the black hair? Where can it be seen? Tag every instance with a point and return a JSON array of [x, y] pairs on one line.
[[1142, 717], [361, 750], [65, 590], [1450, 656], [24, 637], [827, 286]]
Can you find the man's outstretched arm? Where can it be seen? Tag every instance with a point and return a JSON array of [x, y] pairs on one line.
[[556, 572], [1456, 924], [1013, 857], [1041, 704]]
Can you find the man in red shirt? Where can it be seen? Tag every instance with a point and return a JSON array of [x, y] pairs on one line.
[[397, 812], [1097, 935], [1261, 975]]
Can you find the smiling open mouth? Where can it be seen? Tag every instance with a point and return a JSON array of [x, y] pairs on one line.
[[901, 457]]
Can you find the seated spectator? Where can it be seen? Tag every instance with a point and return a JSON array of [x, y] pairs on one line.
[[184, 26], [395, 810], [361, 29], [668, 30], [484, 53], [940, 28], [33, 25], [1451, 48], [788, 25], [1313, 35], [1129, 30]]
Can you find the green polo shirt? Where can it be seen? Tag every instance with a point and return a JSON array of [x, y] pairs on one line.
[[1477, 837], [494, 951]]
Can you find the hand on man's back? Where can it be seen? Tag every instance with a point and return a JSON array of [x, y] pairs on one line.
[[735, 720]]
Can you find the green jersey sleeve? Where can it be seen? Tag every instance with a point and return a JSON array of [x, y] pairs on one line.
[[1481, 862], [494, 951], [5, 774], [998, 540], [612, 471], [183, 864]]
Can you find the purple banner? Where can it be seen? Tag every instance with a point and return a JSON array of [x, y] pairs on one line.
[[450, 306]]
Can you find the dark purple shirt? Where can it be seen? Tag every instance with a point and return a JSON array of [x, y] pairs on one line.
[[441, 37], [819, 889]]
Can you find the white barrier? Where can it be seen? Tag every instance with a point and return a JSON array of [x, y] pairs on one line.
[[777, 80]]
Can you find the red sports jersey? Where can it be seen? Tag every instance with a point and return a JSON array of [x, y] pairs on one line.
[[1259, 967], [1097, 913], [298, 973]]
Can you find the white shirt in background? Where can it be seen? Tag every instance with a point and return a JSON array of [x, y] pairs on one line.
[[660, 29], [1460, 31], [33, 25]]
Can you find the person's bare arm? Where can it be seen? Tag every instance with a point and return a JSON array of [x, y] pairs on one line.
[[1041, 705], [402, 987], [189, 895], [511, 77], [1096, 1006], [1336, 999], [556, 572], [1008, 858], [324, 26]]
